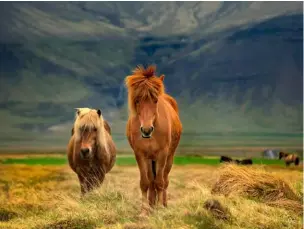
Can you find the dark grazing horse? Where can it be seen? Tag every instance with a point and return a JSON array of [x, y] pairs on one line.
[[225, 159], [238, 162], [244, 162], [289, 158]]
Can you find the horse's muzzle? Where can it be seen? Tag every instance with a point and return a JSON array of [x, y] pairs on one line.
[[85, 153], [146, 132]]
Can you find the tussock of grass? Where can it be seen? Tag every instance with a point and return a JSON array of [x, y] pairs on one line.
[[257, 184]]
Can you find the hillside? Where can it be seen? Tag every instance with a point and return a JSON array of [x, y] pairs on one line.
[[235, 66]]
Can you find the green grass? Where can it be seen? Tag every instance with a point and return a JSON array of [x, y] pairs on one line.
[[130, 160]]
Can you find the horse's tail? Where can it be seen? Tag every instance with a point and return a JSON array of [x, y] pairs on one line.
[[154, 168], [297, 160]]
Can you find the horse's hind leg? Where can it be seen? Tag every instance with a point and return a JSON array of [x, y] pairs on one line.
[[166, 178], [151, 191], [152, 194]]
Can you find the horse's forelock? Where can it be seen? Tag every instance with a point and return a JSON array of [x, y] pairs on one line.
[[89, 120], [142, 88], [148, 72]]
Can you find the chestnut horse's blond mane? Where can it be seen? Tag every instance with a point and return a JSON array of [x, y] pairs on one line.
[[88, 118], [143, 85]]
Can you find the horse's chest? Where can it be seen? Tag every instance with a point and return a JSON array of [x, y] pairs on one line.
[[89, 168], [149, 147]]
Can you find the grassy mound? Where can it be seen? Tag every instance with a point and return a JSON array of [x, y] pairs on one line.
[[257, 184]]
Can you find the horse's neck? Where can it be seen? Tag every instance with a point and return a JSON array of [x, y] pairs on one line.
[[163, 116]]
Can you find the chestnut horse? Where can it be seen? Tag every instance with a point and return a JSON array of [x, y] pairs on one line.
[[153, 131], [91, 150]]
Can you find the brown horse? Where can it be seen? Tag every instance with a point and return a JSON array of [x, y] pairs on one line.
[[289, 158], [91, 150], [153, 131]]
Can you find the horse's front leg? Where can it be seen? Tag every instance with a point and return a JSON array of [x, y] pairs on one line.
[[83, 184], [159, 180], [142, 163]]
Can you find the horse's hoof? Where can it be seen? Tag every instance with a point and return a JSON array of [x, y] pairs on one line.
[[161, 205], [143, 215]]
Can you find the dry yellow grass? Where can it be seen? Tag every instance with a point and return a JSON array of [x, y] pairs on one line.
[[48, 197], [259, 184]]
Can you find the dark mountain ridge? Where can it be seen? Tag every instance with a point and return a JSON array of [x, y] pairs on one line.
[[230, 66]]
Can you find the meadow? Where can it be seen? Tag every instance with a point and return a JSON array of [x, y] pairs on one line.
[[41, 191], [127, 160]]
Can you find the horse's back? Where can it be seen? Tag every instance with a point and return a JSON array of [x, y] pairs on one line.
[[70, 152], [172, 102], [111, 151], [107, 126], [128, 131], [176, 125]]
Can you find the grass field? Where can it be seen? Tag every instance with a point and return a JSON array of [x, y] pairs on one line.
[[42, 192], [129, 160]]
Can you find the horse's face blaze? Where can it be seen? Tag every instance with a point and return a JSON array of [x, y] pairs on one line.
[[147, 113], [88, 143]]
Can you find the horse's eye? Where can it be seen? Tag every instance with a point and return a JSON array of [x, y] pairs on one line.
[[95, 129]]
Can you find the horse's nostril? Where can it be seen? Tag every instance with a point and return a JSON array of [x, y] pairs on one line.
[[85, 151], [146, 132]]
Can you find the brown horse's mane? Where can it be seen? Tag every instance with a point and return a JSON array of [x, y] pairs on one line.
[[143, 85]]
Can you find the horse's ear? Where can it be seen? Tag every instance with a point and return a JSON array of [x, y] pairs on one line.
[[98, 112], [162, 77], [77, 111]]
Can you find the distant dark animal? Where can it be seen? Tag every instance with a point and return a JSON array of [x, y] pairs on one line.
[[238, 162], [244, 162], [289, 158], [91, 151], [225, 159]]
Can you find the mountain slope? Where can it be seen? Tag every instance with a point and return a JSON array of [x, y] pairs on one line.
[[233, 66]]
